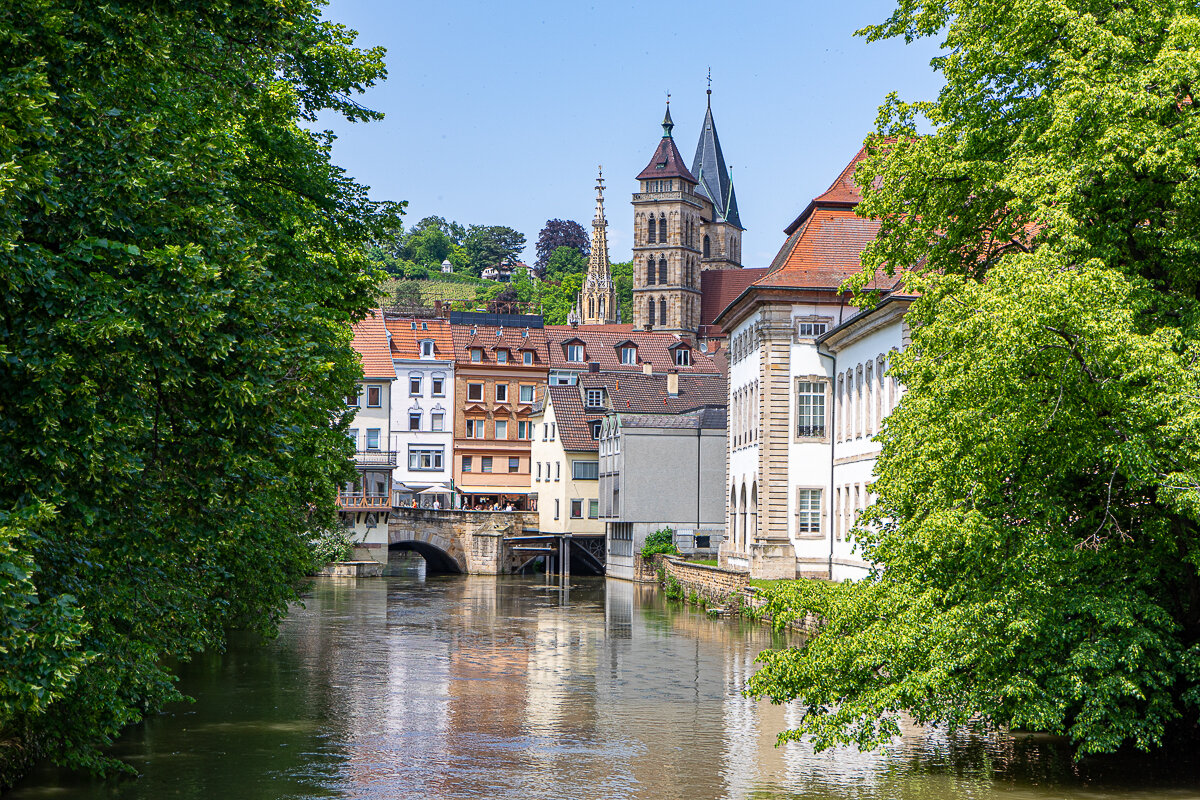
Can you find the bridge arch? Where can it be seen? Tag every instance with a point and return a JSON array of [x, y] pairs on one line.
[[440, 554]]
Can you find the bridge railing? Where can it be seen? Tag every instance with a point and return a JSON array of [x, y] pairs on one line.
[[364, 501]]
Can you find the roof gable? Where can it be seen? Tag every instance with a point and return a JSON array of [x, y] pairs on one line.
[[371, 343]]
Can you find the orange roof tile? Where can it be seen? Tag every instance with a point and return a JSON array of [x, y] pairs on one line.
[[601, 342], [371, 344], [490, 338], [406, 342]]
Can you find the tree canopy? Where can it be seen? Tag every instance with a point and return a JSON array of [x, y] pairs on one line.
[[1037, 527], [560, 233], [488, 245], [179, 267]]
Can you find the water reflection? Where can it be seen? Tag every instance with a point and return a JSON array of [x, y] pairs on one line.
[[472, 687]]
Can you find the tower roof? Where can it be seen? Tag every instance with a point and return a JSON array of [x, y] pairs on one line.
[[667, 162], [712, 174]]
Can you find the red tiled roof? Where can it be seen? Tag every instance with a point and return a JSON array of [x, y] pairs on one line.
[[633, 393], [406, 341], [825, 251], [600, 346], [666, 163], [371, 344], [490, 338], [719, 288], [844, 189]]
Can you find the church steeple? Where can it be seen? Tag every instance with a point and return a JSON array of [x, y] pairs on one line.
[[713, 176], [598, 296]]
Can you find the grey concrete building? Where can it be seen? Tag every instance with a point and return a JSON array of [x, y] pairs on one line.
[[662, 470]]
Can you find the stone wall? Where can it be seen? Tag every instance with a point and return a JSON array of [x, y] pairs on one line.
[[463, 541], [645, 570], [711, 583]]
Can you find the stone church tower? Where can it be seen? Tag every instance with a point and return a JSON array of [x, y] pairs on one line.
[[682, 225], [598, 297]]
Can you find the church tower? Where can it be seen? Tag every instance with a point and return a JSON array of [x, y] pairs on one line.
[[598, 297], [668, 216], [721, 230]]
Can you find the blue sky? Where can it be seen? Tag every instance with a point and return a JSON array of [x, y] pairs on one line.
[[499, 113]]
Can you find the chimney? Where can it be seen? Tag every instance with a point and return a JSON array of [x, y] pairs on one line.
[[593, 366], [437, 308], [673, 383], [647, 368]]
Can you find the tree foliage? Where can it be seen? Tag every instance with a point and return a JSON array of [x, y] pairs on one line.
[[1038, 517], [565, 261], [561, 233], [179, 265], [488, 245]]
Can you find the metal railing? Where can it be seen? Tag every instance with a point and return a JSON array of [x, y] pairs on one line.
[[375, 458]]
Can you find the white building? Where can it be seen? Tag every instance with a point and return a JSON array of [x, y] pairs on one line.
[[422, 416], [794, 469]]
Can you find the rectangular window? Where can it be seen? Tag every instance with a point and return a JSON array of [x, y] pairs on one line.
[[372, 438], [437, 421], [501, 429], [553, 430], [585, 470], [501, 392], [524, 430], [439, 386], [475, 428], [577, 509], [593, 509], [427, 348], [514, 464], [808, 511], [501, 356], [556, 509], [374, 396], [466, 463], [810, 408], [475, 391], [574, 352], [539, 471], [414, 384], [683, 357], [527, 359], [476, 355], [425, 458], [485, 463], [595, 429], [414, 420], [352, 399], [545, 430], [628, 355], [594, 398], [557, 470], [810, 330], [527, 393], [352, 435]]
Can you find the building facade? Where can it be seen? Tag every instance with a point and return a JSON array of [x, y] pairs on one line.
[[566, 469], [423, 403]]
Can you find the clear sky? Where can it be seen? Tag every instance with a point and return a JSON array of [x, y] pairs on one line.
[[498, 113]]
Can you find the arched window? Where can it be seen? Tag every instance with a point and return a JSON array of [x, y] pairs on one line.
[[650, 231], [650, 270], [662, 311], [602, 307], [662, 270], [752, 534], [662, 228], [706, 246], [733, 518], [742, 526], [649, 310], [591, 306]]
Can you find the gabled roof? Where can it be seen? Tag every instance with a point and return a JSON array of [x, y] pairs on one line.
[[406, 342], [601, 343], [719, 288], [371, 344], [489, 338], [709, 168], [635, 393], [702, 418], [823, 252]]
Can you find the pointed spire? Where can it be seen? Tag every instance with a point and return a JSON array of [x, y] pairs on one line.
[[709, 166], [667, 123]]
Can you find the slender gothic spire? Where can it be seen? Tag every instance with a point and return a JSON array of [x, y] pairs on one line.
[[599, 272], [709, 168]]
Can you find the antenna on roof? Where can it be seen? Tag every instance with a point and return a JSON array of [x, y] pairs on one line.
[[710, 87]]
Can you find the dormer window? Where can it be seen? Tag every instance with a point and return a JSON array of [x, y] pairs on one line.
[[427, 348], [683, 357], [476, 355], [594, 398], [424, 326], [575, 352], [414, 324], [596, 429], [501, 356], [527, 357], [628, 354]]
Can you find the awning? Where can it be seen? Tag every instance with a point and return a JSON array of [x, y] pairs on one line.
[[490, 490], [435, 490]]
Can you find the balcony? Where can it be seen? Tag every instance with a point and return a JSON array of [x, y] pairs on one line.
[[370, 459], [362, 501]]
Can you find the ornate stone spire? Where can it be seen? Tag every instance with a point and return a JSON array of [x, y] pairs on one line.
[[597, 300]]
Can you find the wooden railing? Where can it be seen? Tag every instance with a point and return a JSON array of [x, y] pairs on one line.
[[362, 501]]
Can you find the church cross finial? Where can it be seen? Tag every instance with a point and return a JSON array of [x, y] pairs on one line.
[[710, 87]]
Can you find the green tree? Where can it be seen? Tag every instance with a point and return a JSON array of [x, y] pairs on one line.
[[565, 261], [1039, 488], [179, 266], [559, 298], [622, 273], [488, 245]]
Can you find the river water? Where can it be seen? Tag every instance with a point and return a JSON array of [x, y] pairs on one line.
[[476, 687]]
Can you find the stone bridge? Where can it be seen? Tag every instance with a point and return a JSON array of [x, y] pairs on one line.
[[461, 541]]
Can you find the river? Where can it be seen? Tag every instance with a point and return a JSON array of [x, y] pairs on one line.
[[475, 687]]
